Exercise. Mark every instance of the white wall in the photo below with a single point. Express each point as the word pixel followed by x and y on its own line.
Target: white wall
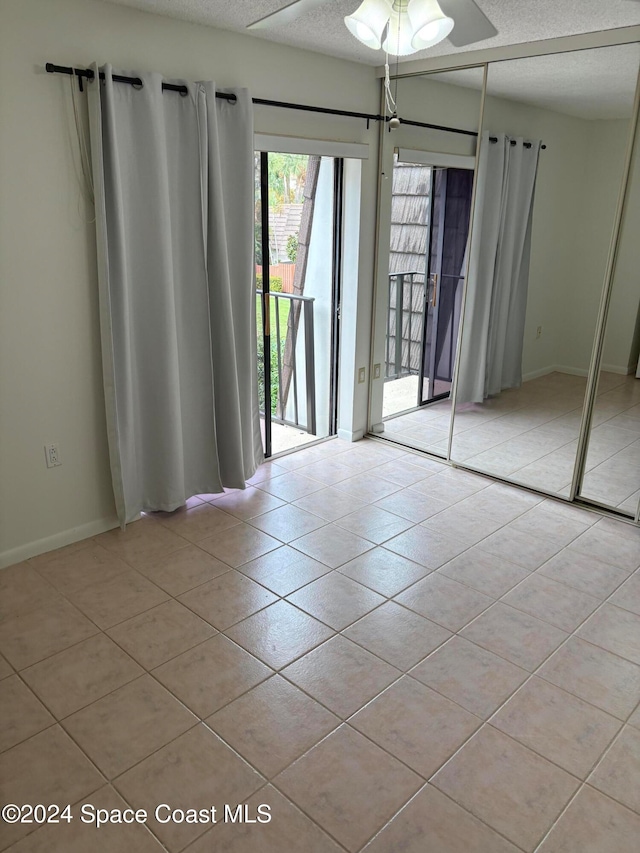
pixel 50 371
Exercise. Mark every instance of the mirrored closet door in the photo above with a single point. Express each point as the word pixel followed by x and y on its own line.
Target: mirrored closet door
pixel 490 319
pixel 550 171
pixel 426 197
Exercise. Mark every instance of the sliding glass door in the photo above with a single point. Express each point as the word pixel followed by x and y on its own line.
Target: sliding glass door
pixel 298 229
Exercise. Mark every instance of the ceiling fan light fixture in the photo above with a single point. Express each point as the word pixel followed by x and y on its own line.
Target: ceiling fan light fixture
pixel 367 23
pixel 400 33
pixel 429 24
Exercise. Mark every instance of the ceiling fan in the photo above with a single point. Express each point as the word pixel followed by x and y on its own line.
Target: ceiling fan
pixel 431 21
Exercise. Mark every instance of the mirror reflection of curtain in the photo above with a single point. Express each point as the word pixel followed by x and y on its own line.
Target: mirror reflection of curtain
pixel 174 189
pixel 498 276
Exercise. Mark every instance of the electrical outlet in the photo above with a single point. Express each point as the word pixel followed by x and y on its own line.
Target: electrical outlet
pixel 538 332
pixel 52 455
pixel 361 375
pixel 376 371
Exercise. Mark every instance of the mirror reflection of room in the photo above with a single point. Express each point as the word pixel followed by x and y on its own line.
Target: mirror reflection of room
pixel 431 177
pixel 612 464
pixel 549 174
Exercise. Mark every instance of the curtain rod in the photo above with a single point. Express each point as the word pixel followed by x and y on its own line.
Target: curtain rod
pixel 87 73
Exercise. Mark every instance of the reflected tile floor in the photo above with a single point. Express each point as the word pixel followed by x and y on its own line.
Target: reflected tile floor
pixel 529 434
pixel 390 653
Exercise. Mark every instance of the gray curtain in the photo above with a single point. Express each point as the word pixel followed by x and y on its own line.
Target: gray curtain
pixel 498 275
pixel 173 183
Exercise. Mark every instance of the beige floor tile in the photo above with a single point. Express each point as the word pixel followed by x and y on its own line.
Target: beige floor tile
pixel 79 837
pixel 329 504
pixel 247 503
pixel 332 545
pixel 327 471
pixel 47 768
pixel 615 630
pixel 557 726
pixel 141 540
pixel 78 676
pixel 23 590
pixel 502 502
pixel 515 791
pixel 211 675
pixel 349 786
pixel 618 775
pixel 290 486
pixel 434 823
pixel 279 634
pixel 119 598
pixel 397 635
pixel 458 522
pixel 595 675
pixel 22 714
pixel 612 548
pixel 287 523
pixel 284 570
pixel 180 774
pixel 72 572
pixel 239 544
pixel 5 668
pixel 426 547
pixel 267 471
pixel 583 572
pixel 273 724
pixel 198 523
pixel 129 724
pixel 384 571
pixel 485 572
pixel 160 634
pixel 367 487
pixel 543 522
pixel 628 595
pixel 336 600
pixel 182 570
pixel 412 505
pixel 375 524
pixel 404 472
pixel 520 548
pixel 341 675
pixel 552 602
pixel 287 830
pixel 416 725
pixel 594 824
pixel 26 639
pixel 227 599
pixel 515 636
pixel 444 601
pixel 476 679
pixel 42 559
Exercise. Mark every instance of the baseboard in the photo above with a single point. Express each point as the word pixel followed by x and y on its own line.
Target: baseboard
pixel 535 374
pixel 58 540
pixel 575 371
pixel 615 368
pixel 347 435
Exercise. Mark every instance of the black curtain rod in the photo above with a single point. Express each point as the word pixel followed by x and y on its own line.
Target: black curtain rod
pixel 88 74
pixel 513 142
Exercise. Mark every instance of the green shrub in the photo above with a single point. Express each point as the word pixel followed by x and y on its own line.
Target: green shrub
pixel 274 375
pixel 275 283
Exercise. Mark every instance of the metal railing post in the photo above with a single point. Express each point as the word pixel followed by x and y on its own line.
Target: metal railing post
pixel 309 357
pixel 399 323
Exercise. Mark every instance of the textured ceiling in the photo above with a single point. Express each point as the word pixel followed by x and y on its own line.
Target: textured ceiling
pixel 591 84
pixel 323 29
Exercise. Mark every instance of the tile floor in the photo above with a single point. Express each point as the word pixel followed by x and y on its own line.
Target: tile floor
pixel 394 655
pixel 530 434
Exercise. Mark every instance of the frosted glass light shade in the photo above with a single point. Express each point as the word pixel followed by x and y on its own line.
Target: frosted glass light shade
pixel 429 24
pixel 400 33
pixel 368 22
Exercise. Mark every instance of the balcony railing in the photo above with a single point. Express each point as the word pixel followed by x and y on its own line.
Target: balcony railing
pixel 405 318
pixel 295 398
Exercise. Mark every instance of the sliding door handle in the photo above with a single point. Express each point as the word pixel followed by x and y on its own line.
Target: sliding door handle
pixel 433 278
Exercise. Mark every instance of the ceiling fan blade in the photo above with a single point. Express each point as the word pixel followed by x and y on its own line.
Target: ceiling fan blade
pixel 471 23
pixel 285 15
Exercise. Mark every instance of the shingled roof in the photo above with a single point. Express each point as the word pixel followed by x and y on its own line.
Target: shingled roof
pixel 409 218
